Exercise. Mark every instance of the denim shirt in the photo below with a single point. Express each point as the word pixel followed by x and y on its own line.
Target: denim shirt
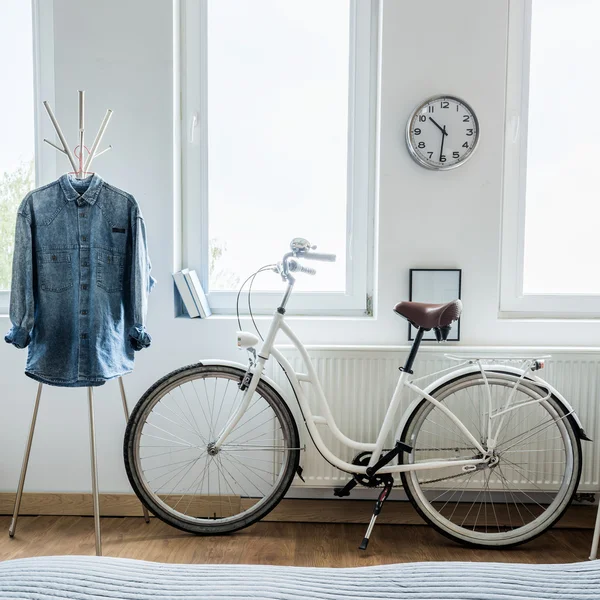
pixel 80 282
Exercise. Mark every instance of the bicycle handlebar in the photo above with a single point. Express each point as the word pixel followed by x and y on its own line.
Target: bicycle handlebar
pixel 322 256
pixel 301 249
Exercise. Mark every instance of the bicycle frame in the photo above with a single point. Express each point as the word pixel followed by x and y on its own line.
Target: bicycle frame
pixel 267 350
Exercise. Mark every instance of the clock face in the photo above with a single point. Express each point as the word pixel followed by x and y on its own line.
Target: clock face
pixel 442 133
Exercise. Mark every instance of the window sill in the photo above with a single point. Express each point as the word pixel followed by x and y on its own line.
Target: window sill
pixel 528 317
pixel 265 318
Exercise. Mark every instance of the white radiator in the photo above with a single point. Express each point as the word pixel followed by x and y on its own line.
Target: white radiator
pixel 359 382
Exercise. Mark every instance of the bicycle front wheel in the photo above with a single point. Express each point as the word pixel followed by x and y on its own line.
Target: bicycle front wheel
pixel 526 486
pixel 179 476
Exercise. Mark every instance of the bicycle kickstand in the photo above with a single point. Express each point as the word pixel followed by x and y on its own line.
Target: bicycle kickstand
pixel 383 496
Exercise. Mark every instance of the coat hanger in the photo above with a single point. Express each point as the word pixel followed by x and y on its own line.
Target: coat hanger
pixel 81 167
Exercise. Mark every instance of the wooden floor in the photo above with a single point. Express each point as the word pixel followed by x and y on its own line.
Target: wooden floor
pixel 301 544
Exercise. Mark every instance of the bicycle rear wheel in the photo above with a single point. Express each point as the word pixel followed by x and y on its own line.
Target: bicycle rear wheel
pixel 186 483
pixel 529 483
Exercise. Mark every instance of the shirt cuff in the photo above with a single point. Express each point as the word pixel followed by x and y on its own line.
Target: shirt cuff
pixel 18 336
pixel 139 337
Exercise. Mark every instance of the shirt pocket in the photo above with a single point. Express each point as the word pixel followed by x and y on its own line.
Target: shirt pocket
pixel 54 271
pixel 109 272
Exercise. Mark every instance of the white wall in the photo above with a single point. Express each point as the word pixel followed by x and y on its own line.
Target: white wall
pixel 121 53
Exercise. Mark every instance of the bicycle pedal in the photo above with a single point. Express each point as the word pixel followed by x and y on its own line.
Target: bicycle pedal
pixel 345 491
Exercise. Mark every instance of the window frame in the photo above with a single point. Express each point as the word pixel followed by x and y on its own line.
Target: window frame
pixel 514 303
pixel 42 13
pixel 362 144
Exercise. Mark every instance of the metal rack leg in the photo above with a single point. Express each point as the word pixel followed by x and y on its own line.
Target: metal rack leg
pixel 596 540
pixel 96 498
pixel 126 411
pixel 13 524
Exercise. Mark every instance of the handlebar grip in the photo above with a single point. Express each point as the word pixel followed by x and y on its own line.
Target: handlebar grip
pixel 307 270
pixel 322 256
pixel 296 267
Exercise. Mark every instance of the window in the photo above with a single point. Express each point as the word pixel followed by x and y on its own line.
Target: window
pixel 551 210
pixel 278 142
pixel 17 151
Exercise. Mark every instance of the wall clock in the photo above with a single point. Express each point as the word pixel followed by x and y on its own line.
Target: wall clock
pixel 442 133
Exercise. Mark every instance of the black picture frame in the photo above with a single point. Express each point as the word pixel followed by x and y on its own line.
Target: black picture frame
pixel 429 335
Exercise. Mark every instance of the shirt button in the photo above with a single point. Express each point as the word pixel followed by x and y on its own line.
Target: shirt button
pixel 84 238
pixel 84 286
pixel 54 258
pixel 84 336
pixel 85 264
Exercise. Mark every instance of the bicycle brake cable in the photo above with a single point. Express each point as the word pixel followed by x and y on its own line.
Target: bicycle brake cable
pixel 237 301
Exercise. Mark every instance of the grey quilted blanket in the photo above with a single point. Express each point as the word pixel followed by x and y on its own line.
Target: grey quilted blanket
pixel 87 578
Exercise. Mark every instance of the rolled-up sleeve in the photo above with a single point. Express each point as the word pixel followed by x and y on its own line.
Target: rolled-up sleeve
pixel 141 285
pixel 22 304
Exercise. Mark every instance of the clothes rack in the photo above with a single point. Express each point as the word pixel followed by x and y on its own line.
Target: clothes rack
pixel 80 166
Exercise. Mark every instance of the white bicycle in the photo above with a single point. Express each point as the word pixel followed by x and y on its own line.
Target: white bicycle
pixel 489 454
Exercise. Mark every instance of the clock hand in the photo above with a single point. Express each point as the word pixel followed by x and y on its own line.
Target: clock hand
pixel 436 124
pixel 442 146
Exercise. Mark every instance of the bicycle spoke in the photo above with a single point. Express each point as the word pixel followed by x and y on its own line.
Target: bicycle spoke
pixel 166 440
pixel 513 496
pixel 189 460
pixel 182 418
pixel 254 428
pixel 188 406
pixel 217 463
pixel 520 470
pixel 547 424
pixel 461 495
pixel 175 437
pixel 170 451
pixel 190 487
pixel 183 415
pixel 478 412
pixel 222 402
pixel 254 469
pixel 178 425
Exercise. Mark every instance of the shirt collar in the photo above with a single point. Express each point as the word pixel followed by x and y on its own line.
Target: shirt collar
pixel 94 185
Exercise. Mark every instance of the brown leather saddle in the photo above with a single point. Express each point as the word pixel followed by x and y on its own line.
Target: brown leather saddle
pixel 430 316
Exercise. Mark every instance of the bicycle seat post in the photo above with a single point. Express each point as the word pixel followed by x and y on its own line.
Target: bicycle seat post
pixel 413 351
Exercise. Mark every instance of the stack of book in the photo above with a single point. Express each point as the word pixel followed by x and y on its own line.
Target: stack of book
pixel 192 294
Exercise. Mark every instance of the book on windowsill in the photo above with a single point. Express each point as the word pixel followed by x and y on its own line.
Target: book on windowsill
pixel 186 294
pixel 198 293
